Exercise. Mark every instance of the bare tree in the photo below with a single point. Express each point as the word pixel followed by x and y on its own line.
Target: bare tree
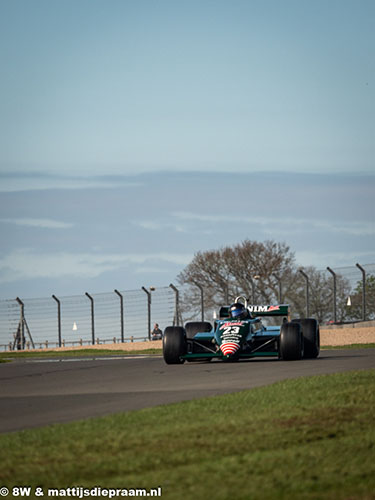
pixel 261 272
pixel 257 264
pixel 246 269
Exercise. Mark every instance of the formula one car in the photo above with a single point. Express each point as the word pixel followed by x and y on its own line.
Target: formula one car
pixel 240 333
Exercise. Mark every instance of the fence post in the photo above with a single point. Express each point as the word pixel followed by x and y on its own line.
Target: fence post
pixel 334 294
pixel 177 316
pixel 226 293
pixel 202 300
pixel 280 288
pixel 20 339
pixel 363 291
pixel 122 314
pixel 252 291
pixel 92 318
pixel 58 318
pixel 148 311
pixel 307 292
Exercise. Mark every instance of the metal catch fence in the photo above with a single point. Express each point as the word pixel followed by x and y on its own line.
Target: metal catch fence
pixel 121 316
pixel 338 295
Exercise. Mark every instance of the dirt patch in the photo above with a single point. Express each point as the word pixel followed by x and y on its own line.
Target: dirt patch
pixel 346 336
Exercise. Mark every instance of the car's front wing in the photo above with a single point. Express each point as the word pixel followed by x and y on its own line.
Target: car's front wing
pixel 264 346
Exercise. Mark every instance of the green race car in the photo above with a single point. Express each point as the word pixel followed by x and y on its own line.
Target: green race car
pixel 240 332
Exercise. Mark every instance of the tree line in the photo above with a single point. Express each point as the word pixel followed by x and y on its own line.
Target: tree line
pixel 267 273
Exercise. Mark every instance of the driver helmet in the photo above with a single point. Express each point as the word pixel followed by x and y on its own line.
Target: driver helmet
pixel 238 311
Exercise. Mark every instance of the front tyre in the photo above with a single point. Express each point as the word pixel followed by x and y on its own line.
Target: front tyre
pixel 174 345
pixel 291 342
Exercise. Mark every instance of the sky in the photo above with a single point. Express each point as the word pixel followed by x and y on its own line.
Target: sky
pixel 134 134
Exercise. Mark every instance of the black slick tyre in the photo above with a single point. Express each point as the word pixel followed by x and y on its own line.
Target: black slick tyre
pixel 291 342
pixel 174 345
pixel 311 336
pixel 194 327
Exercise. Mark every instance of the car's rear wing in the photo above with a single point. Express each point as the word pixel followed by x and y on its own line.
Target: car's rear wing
pixel 255 310
pixel 279 310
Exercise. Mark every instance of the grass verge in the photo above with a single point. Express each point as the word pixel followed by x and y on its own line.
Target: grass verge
pixel 309 438
pixel 350 346
pixel 74 353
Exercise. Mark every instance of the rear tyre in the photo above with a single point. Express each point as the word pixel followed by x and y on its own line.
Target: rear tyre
pixel 194 327
pixel 291 342
pixel 174 345
pixel 311 337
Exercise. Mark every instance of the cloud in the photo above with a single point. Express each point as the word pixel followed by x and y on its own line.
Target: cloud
pixel 42 223
pixel 153 225
pixel 26 264
pixel 150 269
pixel 275 225
pixel 14 182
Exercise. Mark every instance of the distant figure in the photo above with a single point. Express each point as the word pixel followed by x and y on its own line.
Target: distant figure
pixel 156 333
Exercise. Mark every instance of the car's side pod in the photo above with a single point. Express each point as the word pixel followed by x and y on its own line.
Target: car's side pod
pixel 194 327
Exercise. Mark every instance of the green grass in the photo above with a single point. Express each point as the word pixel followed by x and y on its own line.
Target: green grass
pixel 350 346
pixel 74 353
pixel 309 438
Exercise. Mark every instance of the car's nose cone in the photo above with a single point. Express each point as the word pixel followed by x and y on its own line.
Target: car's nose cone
pixel 229 348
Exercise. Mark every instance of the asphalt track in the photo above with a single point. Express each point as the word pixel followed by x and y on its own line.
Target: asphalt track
pixel 37 393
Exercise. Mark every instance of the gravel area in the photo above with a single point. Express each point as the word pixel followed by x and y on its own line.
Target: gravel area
pixel 346 336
